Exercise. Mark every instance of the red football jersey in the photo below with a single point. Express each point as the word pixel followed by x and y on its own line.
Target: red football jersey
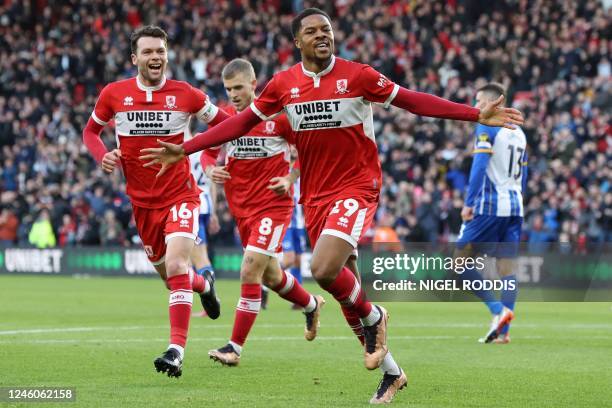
pixel 142 115
pixel 252 161
pixel 331 115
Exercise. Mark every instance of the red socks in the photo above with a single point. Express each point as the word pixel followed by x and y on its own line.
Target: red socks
pixel 181 299
pixel 246 311
pixel 291 290
pixel 354 323
pixel 347 290
pixel 198 283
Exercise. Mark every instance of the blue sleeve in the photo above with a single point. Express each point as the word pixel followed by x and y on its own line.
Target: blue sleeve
pixel 483 147
pixel 525 165
pixel 477 175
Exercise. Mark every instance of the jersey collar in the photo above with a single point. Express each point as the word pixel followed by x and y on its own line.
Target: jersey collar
pixel 317 77
pixel 150 89
pixel 145 88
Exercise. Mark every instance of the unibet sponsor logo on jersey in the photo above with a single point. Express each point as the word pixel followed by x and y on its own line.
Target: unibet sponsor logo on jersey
pixel 333 113
pixel 254 147
pixel 150 123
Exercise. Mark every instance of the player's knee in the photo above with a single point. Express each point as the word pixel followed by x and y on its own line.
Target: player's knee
pixel 252 269
pixel 176 267
pixel 289 260
pixel 272 281
pixel 323 272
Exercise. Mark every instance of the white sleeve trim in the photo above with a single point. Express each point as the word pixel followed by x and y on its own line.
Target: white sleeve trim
pixel 97 119
pixel 392 96
pixel 208 112
pixel 260 113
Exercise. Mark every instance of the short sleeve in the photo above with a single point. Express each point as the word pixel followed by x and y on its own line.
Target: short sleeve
pixel 484 138
pixel 269 103
pixel 376 87
pixel 103 112
pixel 202 107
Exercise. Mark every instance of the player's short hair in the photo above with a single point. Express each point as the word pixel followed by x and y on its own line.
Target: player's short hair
pixel 494 89
pixel 296 23
pixel 147 31
pixel 238 66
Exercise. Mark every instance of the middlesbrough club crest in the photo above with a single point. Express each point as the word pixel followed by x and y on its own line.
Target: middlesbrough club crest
pixel 341 86
pixel 270 127
pixel 170 102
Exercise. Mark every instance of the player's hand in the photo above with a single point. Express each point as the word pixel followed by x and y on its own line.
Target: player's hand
pixel 213 224
pixel 166 155
pixel 280 185
pixel 467 213
pixel 218 174
pixel 111 160
pixel 494 114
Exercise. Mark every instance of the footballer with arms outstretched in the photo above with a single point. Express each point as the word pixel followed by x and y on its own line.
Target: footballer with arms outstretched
pixel 252 176
pixel 146 108
pixel 328 103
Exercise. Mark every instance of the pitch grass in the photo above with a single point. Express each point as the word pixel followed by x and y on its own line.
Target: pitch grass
pixel 100 335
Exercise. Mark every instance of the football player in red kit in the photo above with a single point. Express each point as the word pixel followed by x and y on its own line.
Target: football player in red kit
pixel 255 163
pixel 146 108
pixel 328 102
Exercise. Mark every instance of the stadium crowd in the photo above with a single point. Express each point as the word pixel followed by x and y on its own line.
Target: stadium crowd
pixel 552 55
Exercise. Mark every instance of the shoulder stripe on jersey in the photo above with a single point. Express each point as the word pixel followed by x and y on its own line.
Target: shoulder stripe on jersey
pixel 260 113
pixel 98 120
pixel 483 151
pixel 392 96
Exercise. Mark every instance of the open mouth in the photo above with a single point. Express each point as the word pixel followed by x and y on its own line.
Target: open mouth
pixel 323 46
pixel 155 68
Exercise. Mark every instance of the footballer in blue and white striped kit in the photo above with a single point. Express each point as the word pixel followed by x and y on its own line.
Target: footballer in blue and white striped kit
pixel 493 210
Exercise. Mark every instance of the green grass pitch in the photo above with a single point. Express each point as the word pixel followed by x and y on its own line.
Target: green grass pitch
pixel 100 335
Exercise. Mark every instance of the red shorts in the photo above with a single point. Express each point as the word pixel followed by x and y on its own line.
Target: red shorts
pixel 347 217
pixel 265 231
pixel 157 225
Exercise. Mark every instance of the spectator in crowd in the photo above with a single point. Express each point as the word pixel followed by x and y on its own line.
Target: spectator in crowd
pixel 41 235
pixel 8 227
pixel 111 231
pixel 67 231
pixel 552 55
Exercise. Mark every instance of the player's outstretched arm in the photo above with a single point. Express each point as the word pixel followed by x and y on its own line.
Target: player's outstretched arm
pixel 228 130
pixel 493 114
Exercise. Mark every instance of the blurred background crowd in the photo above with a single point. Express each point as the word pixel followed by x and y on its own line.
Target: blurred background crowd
pixel 552 55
